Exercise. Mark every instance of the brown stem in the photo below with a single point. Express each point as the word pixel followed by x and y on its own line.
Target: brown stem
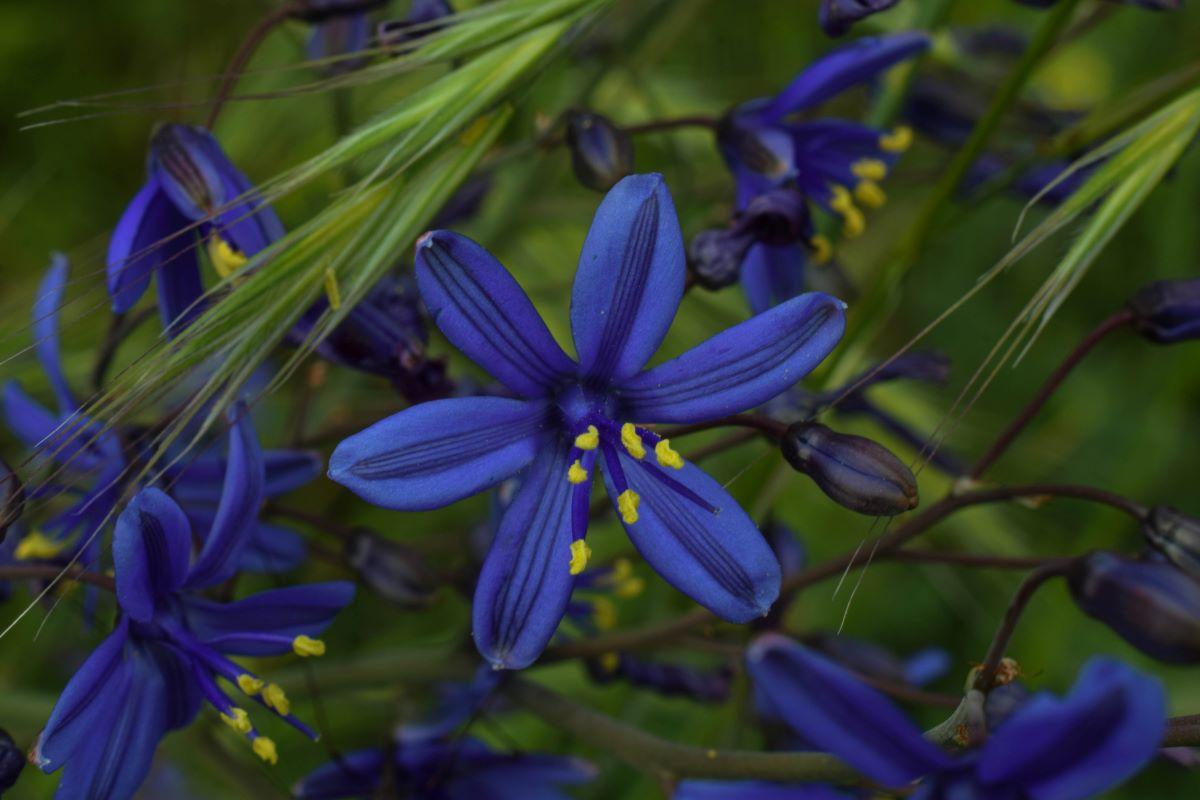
pixel 245 51
pixel 1117 320
pixel 51 572
pixel 759 422
pixel 966 559
pixel 657 125
pixel 1012 615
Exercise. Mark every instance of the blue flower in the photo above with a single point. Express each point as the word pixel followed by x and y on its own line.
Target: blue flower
pixel 171 644
pixel 834 163
pixel 838 16
pixel 756 790
pixel 568 417
pixel 340 28
pixel 423 18
pixel 193 195
pixel 1050 748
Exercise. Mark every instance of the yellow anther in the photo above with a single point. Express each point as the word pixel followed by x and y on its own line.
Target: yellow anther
pixel 897 141
pixel 630 587
pixel 589 439
pixel 37 545
pixel 274 697
pixel 841 201
pixel 666 456
pixel 604 612
pixel 631 440
pixel 226 259
pixel 610 661
pixel 264 748
pixel 332 291
pixel 305 646
pixel 853 223
pixel 249 684
pixel 580 553
pixel 237 719
pixel 474 131
pixel 577 474
pixel 822 249
pixel 869 169
pixel 869 194
pixel 627 503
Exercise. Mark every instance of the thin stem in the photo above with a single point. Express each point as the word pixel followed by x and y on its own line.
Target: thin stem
pixel 1182 731
pixel 245 51
pixel 672 123
pixel 666 760
pixel 759 422
pixel 1002 443
pixel 1033 581
pixel 912 555
pixel 50 572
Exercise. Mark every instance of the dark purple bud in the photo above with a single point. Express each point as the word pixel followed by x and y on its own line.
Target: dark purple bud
pixel 677 680
pixel 1151 604
pixel 837 16
pixel 1168 311
pixel 1002 701
pixel 182 157
pixel 12 498
pixel 395 572
pixel 715 257
pixel 1176 535
pixel 12 761
pixel 601 153
pixel 776 218
pixel 420 21
pixel 762 149
pixel 854 471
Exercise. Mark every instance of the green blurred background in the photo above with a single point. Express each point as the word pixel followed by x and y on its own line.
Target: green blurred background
pixel 1126 421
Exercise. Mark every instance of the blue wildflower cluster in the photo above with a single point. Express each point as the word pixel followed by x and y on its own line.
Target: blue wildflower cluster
pixel 223 551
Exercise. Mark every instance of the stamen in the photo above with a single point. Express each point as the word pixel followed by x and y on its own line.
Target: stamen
pixel 853 221
pixel 38 545
pixel 604 612
pixel 666 456
pixel 226 259
pixel 249 684
pixel 305 646
pixel 897 141
pixel 625 584
pixel 627 503
pixel 589 440
pixel 577 474
pixel 274 697
pixel 580 553
pixel 610 661
pixel 631 441
pixel 822 249
pixel 869 194
pixel 238 719
pixel 332 291
pixel 264 748
pixel 869 169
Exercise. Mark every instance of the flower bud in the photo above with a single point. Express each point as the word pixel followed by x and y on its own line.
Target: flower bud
pixel 601 153
pixel 1176 535
pixel 854 471
pixel 777 217
pixel 837 16
pixel 1151 604
pixel 12 761
pixel 715 257
pixel 396 572
pixel 1168 311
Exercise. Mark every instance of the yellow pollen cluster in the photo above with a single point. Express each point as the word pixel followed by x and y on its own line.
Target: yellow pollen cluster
pixel 631 441
pixel 897 141
pixel 589 439
pixel 238 719
pixel 249 684
pixel 580 553
pixel 225 258
pixel 304 646
pixel 576 473
pixel 666 456
pixel 274 697
pixel 822 249
pixel 264 748
pixel 610 662
pixel 625 583
pixel 853 221
pixel 604 612
pixel 37 545
pixel 627 503
pixel 869 169
pixel 869 194
pixel 332 291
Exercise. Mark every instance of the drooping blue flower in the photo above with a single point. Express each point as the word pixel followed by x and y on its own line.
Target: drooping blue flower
pixel 1050 748
pixel 171 644
pixel 835 164
pixel 193 196
pixel 570 416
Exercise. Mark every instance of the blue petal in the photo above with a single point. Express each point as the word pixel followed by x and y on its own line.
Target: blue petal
pixel 755 790
pixel 741 367
pixel 1104 731
pixel 435 453
pixel 290 612
pixel 73 441
pixel 45 330
pixel 836 712
pixel 832 74
pixel 772 275
pixel 238 511
pixel 179 286
pixel 630 279
pixel 288 470
pixel 521 776
pixel 151 546
pixel 719 559
pixel 271 548
pixel 356 774
pixel 250 224
pixel 147 219
pixel 526 581
pixel 484 313
pixel 200 481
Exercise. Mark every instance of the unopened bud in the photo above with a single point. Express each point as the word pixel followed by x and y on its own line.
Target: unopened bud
pixel 837 16
pixel 1168 311
pixel 715 257
pixel 601 153
pixel 1151 604
pixel 12 761
pixel 1176 535
pixel 777 217
pixel 396 572
pixel 854 471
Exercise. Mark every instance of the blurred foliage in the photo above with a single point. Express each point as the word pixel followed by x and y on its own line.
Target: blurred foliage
pixel 1126 421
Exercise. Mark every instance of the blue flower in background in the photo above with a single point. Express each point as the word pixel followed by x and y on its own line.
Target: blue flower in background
pixel 1049 748
pixel 834 163
pixel 171 643
pixel 340 28
pixel 194 194
pixel 838 16
pixel 757 790
pixel 570 416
